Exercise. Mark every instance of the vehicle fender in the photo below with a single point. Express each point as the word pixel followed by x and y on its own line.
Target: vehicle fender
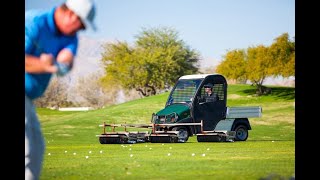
pixel 241 121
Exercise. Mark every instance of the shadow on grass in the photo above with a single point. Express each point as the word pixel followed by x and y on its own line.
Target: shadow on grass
pixel 281 93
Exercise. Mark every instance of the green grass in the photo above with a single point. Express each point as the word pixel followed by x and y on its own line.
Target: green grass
pixel 268 152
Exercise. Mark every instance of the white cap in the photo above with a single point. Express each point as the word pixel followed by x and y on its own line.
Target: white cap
pixel 85 9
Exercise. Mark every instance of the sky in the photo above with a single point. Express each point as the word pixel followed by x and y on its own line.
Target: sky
pixel 211 27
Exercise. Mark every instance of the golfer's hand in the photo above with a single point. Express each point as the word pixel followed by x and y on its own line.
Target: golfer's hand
pixel 48 63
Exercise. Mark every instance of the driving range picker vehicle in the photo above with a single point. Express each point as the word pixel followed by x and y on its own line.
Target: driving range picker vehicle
pixel 187 113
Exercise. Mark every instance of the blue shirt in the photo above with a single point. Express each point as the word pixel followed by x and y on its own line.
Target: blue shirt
pixel 42 36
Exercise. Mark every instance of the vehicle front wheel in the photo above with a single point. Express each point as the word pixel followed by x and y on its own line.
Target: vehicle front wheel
pixel 183 135
pixel 241 133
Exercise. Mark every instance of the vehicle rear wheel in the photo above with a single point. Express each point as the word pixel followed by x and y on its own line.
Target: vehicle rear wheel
pixel 183 135
pixel 241 133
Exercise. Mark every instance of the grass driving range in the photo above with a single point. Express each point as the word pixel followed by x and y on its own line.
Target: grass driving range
pixel 73 151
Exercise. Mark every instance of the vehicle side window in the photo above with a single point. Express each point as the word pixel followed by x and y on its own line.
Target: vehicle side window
pixel 219 90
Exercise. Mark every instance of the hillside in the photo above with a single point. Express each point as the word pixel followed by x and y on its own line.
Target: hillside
pixel 73 151
pixel 140 110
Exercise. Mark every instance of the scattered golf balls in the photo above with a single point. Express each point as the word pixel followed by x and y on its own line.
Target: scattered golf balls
pixel 129 149
pixel 146 145
pixel 170 147
pixel 74 153
pixel 100 151
pixel 162 144
pixel 169 154
pixel 87 157
pixel 90 152
pixel 203 155
pixel 272 141
pixel 150 148
pixel 193 154
pixel 208 149
pixel 131 155
pixel 49 154
pixel 65 151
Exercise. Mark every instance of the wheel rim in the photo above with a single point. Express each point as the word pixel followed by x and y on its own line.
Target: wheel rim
pixel 241 133
pixel 183 134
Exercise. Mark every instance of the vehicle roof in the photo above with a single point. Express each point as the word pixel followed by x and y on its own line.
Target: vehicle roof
pixel 196 76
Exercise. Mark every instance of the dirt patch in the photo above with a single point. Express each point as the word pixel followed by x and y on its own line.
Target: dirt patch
pixel 273 119
pixel 234 96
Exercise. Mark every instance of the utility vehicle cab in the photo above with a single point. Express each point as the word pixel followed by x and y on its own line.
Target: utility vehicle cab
pixel 184 103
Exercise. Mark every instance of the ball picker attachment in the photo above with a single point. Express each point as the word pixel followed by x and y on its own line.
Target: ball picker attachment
pixel 162 136
pixel 123 137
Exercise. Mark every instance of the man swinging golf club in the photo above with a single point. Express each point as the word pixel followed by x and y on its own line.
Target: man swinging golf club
pixel 50 46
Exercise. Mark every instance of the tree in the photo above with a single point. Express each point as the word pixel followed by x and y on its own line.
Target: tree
pixel 283 53
pixel 259 67
pixel 260 62
pixel 156 61
pixel 233 65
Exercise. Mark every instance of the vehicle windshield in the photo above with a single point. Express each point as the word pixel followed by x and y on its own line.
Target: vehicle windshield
pixel 184 91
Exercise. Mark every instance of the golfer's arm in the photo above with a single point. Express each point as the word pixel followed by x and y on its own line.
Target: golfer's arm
pixel 33 64
pixel 36 65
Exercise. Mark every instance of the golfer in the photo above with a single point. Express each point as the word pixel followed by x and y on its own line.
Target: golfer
pixel 50 46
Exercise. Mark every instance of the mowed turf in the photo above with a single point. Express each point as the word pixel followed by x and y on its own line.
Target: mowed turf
pixel 73 151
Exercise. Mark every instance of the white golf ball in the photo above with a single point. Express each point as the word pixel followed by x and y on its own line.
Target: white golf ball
pixel 131 155
pixel 87 157
pixel 169 154
pixel 203 155
pixel 74 153
pixel 49 154
pixel 193 154
pixel 90 152
pixel 100 151
pixel 65 151
pixel 170 147
pixel 129 149
pixel 208 149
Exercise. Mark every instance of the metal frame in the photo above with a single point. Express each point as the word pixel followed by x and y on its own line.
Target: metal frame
pixel 133 137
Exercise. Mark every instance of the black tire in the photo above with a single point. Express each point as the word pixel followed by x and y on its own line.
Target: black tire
pixel 241 133
pixel 183 135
